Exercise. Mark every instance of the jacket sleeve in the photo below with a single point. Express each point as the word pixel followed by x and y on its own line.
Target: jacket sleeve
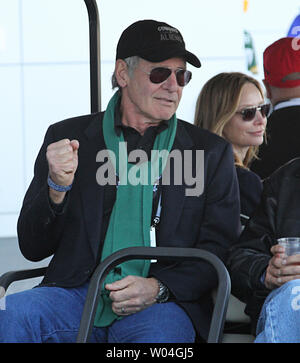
pixel 250 257
pixel 38 226
pixel 219 228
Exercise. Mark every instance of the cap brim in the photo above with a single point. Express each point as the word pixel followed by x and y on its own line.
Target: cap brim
pixel 155 56
pixel 192 59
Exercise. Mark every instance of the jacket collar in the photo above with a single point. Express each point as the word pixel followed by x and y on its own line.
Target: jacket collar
pixel 182 139
pixel 92 194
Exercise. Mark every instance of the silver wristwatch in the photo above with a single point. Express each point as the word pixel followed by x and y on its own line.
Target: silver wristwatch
pixel 163 293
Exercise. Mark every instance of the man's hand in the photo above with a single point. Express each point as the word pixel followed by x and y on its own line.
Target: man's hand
pixel 132 294
pixel 62 157
pixel 281 268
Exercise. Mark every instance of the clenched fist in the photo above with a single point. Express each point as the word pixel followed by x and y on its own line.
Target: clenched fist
pixel 62 157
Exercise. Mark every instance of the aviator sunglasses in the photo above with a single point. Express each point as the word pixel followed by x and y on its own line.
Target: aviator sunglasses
pixel 248 114
pixel 161 74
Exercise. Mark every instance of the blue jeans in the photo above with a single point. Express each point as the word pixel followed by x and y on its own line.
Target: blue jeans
pixel 52 315
pixel 279 320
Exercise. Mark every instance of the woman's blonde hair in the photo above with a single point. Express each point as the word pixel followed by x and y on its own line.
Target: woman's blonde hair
pixel 217 103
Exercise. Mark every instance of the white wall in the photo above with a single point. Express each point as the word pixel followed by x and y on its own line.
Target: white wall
pixel 44 77
pixel 44 71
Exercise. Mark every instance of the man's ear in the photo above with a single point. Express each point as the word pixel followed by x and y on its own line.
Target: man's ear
pixel 121 73
pixel 268 89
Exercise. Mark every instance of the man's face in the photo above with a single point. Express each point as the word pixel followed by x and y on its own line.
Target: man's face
pixel 147 102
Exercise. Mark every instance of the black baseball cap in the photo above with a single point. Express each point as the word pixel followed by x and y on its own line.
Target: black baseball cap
pixel 153 41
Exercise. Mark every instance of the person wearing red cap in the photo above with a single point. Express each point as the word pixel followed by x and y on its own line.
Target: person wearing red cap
pixel 282 82
pixel 99 186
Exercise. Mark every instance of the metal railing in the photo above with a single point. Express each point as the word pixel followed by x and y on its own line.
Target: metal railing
pixel 94 39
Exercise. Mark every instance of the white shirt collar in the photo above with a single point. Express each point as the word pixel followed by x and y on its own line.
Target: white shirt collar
pixel 289 103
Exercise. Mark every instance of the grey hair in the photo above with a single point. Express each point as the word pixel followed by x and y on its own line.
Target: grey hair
pixel 132 63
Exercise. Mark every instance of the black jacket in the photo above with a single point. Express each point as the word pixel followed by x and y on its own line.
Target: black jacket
pixel 210 221
pixel 283 130
pixel 250 186
pixel 278 215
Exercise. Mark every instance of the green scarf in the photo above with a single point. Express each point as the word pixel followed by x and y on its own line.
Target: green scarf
pixel 130 220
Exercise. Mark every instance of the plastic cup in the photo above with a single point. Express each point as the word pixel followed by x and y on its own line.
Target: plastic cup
pixel 291 245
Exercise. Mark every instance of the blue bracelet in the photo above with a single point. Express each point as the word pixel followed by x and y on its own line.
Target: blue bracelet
pixel 58 188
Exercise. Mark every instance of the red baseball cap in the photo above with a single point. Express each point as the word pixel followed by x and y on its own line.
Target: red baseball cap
pixel 281 59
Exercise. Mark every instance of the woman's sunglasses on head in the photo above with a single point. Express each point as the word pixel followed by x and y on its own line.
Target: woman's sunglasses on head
pixel 161 74
pixel 248 114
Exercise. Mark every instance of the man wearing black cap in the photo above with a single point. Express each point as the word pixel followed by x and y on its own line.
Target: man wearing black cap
pixel 85 203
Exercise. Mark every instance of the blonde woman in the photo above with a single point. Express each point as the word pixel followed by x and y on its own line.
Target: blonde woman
pixel 232 105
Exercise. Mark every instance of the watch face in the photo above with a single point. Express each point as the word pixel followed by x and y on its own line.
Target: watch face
pixel 163 293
